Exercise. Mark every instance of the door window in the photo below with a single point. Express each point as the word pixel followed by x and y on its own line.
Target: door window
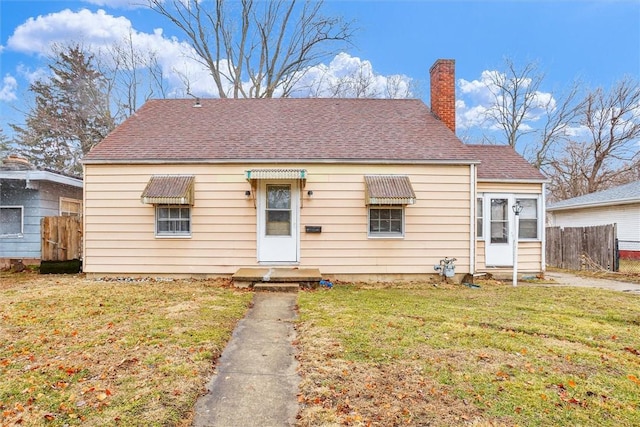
pixel 278 211
pixel 499 221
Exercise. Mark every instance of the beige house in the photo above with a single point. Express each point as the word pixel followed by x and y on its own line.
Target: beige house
pixel 357 188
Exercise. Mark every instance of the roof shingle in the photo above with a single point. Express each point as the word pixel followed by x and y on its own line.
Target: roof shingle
pixel 281 129
pixel 501 162
pixel 622 194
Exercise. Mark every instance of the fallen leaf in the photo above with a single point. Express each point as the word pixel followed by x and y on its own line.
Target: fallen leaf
pixel 634 379
pixel 571 384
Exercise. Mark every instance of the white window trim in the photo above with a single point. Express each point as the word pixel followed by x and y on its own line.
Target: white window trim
pixel 538 199
pixel 21 234
pixel 175 235
pixel 69 200
pixel 512 197
pixel 481 216
pixel 382 235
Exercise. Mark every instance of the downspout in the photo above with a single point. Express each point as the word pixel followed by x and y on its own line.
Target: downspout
pixel 472 228
pixel 543 232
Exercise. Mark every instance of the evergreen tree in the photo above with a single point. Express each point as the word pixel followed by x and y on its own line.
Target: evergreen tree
pixel 4 145
pixel 70 116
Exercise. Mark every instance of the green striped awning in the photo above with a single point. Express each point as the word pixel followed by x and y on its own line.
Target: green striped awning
pixel 388 190
pixel 169 190
pixel 276 174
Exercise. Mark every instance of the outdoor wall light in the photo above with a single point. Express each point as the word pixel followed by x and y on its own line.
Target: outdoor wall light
pixel 517 208
pixel 310 193
pixel 247 193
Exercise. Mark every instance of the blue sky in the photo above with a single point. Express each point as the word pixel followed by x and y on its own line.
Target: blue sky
pixel 597 42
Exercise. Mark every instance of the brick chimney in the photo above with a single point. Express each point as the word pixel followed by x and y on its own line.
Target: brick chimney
pixel 443 91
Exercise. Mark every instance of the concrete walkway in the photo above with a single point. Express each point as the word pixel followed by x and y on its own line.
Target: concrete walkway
pixel 256 382
pixel 566 279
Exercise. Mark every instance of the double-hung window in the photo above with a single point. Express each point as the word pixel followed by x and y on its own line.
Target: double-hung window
pixel 479 218
pixel 172 197
pixel 173 220
pixel 386 197
pixel 11 221
pixel 386 221
pixel 528 219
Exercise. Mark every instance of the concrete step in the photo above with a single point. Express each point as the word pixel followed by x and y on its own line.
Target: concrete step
pixel 276 287
pixel 299 277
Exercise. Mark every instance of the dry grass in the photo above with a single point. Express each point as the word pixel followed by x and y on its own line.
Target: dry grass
pixel 96 353
pixel 453 356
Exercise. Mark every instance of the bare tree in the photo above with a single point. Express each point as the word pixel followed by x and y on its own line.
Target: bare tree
pixel 513 97
pixel 348 77
pixel 133 76
pixel 609 153
pixel 259 50
pixel 518 103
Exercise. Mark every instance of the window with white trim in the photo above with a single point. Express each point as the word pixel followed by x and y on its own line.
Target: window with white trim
pixel 528 219
pixel 173 220
pixel 479 218
pixel 386 221
pixel 70 207
pixel 11 221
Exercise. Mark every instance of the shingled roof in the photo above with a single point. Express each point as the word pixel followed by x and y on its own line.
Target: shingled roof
pixel 620 195
pixel 282 130
pixel 503 163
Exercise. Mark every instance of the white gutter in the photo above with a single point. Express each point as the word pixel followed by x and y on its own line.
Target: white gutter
pixel 595 204
pixel 280 161
pixel 36 175
pixel 473 237
pixel 543 232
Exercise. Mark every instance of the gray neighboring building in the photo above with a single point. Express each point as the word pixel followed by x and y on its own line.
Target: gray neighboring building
pixel 28 194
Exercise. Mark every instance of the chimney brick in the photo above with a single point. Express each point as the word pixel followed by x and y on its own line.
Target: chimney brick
pixel 443 91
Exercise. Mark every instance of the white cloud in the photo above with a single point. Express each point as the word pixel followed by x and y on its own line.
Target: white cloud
pixel 8 89
pixel 350 76
pixel 121 4
pixel 99 32
pixel 90 29
pixel 32 76
pixel 479 100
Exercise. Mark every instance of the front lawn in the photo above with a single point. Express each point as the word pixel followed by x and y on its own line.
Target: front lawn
pixel 451 356
pixel 81 352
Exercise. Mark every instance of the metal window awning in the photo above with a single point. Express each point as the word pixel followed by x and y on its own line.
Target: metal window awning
pixel 388 190
pixel 276 174
pixel 169 190
pixel 254 175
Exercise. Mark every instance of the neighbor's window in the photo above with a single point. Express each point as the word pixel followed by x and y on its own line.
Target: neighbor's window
pixel 11 224
pixel 70 207
pixel 528 219
pixel 386 221
pixel 479 217
pixel 173 220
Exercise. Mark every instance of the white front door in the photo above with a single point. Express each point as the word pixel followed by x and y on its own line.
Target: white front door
pixel 278 213
pixel 499 238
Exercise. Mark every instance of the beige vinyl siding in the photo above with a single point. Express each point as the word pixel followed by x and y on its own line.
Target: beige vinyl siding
pixel 120 238
pixel 509 187
pixel 529 259
pixel 529 252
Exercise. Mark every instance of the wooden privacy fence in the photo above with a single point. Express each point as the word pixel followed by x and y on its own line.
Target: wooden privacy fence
pixel 582 248
pixel 61 238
